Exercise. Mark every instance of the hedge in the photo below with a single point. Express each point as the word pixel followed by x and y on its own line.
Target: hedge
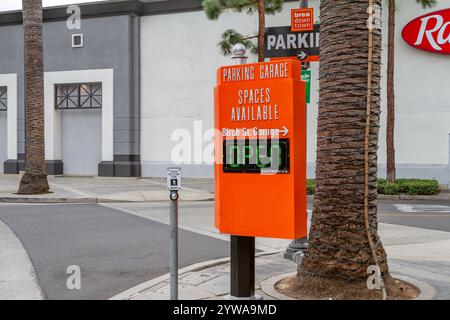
pixel 310 186
pixel 401 186
pixel 409 187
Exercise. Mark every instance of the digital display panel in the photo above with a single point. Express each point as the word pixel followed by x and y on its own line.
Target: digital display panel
pixel 264 156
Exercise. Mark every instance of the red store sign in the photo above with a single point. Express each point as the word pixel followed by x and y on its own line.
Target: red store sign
pixel 430 32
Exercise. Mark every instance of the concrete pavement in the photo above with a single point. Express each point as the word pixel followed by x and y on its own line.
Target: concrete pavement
pixel 17 275
pixel 104 190
pixel 419 256
pixel 69 189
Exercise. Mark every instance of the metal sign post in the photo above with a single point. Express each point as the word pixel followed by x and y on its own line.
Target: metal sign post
pixel 242 249
pixel 174 185
pixel 297 247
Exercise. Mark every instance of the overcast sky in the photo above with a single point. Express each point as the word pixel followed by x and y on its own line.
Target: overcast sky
pixel 8 5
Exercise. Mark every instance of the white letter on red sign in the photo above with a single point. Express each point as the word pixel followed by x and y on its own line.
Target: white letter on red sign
pixel 429 33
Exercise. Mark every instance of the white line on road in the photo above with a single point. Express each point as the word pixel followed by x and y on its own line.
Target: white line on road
pixel 413 208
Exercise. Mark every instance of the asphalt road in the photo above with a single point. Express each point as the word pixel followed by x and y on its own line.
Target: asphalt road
pixel 115 250
pixel 434 215
pixel 420 214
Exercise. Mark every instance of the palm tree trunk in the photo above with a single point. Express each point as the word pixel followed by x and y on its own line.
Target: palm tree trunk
pixel 390 147
pixel 261 29
pixel 339 248
pixel 34 180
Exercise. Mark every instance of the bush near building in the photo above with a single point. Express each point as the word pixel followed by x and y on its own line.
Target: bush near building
pixel 310 186
pixel 401 186
pixel 409 186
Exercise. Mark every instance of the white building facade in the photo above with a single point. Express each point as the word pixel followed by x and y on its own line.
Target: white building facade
pixel 176 69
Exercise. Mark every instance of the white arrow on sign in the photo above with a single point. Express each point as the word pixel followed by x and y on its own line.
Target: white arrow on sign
pixel 285 131
pixel 302 55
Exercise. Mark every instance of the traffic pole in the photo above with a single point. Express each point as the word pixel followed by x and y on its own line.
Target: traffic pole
pixel 242 249
pixel 174 186
pixel 174 245
pixel 296 248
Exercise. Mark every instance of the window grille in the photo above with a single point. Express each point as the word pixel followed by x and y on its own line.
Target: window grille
pixel 78 96
pixel 3 99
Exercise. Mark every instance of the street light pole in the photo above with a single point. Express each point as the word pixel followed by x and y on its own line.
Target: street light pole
pixel 298 246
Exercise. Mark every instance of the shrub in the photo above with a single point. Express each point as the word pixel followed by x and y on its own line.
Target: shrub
pixel 388 188
pixel 409 187
pixel 310 187
pixel 401 186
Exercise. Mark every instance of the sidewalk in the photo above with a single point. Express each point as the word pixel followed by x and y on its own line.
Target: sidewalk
pixel 419 256
pixel 104 190
pixel 66 189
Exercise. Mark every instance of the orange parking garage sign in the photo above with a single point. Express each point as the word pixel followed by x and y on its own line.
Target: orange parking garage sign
pixel 260 146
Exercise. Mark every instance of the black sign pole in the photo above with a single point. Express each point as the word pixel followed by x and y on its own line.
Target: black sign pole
pixel 242 249
pixel 242 267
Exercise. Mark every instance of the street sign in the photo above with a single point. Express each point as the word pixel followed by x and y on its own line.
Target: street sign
pixel 302 20
pixel 306 76
pixel 174 179
pixel 260 170
pixel 281 42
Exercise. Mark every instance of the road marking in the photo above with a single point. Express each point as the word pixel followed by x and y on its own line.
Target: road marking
pixel 413 208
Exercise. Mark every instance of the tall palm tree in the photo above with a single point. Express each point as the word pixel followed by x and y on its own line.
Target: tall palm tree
pixel 34 181
pixel 390 127
pixel 344 240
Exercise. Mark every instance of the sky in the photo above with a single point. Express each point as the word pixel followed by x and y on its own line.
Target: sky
pixel 8 5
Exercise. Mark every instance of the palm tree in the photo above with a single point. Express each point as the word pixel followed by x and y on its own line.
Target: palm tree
pixel 390 147
pixel 344 239
pixel 34 181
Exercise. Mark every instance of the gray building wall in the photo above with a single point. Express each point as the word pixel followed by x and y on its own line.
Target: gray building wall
pixel 110 42
pixel 3 139
pixel 11 61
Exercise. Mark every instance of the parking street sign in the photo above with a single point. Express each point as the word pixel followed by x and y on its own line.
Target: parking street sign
pixel 260 150
pixel 281 42
pixel 306 76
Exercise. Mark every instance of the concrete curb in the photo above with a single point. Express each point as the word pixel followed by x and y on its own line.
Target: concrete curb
pixel 47 200
pixel 93 200
pixel 438 197
pixel 130 293
pixel 268 286
pixel 18 200
pixel 427 292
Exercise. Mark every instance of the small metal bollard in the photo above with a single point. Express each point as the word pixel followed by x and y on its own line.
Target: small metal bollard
pixel 173 185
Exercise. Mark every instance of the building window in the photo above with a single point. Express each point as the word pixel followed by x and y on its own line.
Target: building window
pixel 77 40
pixel 3 98
pixel 78 96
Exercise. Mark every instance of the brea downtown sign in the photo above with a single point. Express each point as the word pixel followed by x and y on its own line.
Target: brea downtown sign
pixel 430 32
